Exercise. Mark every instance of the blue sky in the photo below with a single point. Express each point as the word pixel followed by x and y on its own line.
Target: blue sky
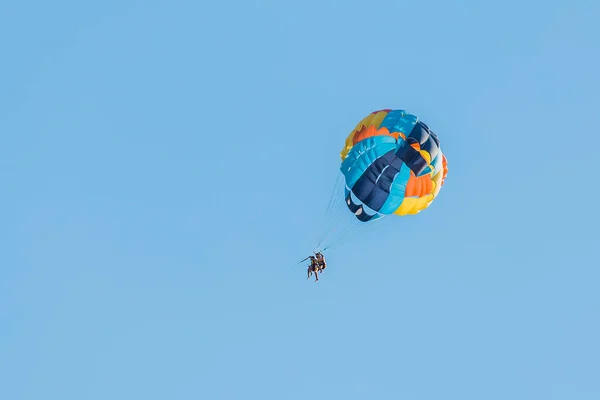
pixel 165 165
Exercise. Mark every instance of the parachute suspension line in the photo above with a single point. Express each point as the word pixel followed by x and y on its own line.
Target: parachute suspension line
pixel 335 231
pixel 356 227
pixel 335 193
pixel 330 220
pixel 339 224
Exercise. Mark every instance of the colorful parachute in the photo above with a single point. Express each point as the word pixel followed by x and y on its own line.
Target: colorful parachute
pixel 392 164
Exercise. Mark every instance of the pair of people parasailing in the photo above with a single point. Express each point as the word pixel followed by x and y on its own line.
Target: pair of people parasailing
pixel 317 264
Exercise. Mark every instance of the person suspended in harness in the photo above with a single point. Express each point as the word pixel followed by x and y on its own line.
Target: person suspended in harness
pixel 317 264
pixel 313 268
pixel 321 261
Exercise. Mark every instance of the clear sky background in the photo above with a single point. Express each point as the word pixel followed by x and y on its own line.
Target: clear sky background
pixel 165 164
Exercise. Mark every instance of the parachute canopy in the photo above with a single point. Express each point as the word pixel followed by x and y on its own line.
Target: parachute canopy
pixel 392 164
